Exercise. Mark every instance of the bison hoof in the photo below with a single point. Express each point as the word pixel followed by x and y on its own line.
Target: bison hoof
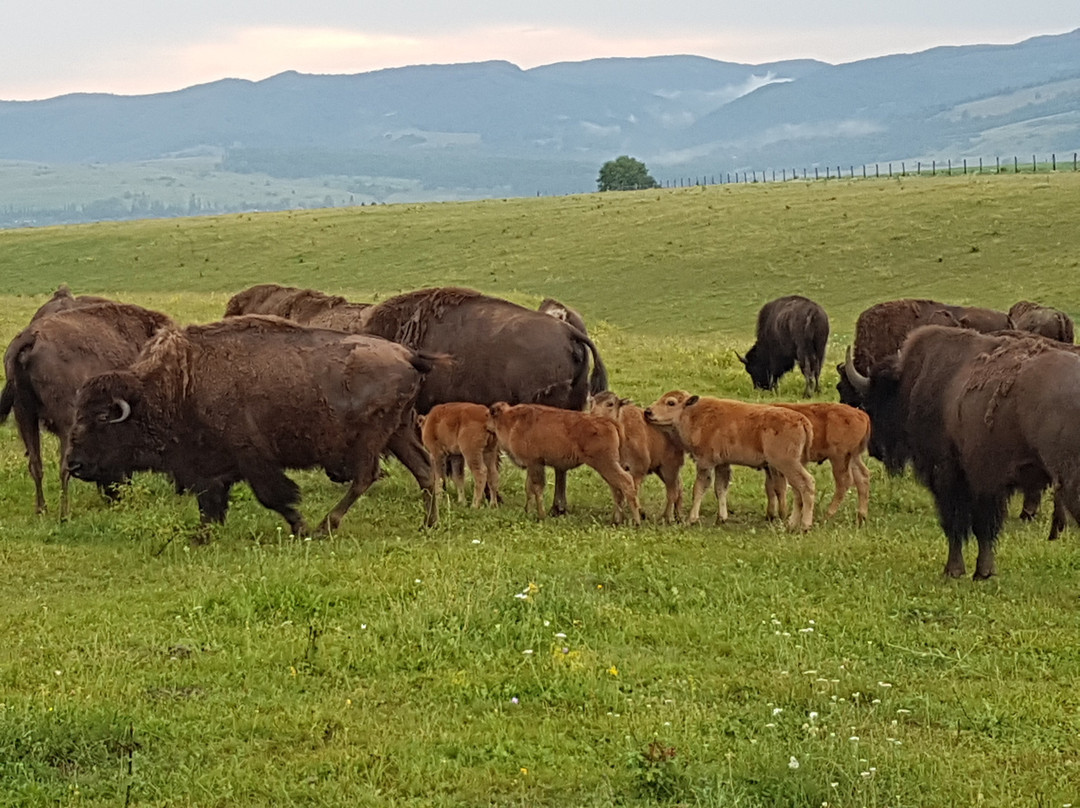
pixel 557 510
pixel 954 572
pixel 983 576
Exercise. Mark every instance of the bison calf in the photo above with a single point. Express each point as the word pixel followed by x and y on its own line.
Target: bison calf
pixel 462 429
pixel 720 432
pixel 536 436
pixel 841 435
pixel 645 449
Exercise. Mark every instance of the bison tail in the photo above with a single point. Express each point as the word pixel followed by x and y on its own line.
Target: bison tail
pixel 427 361
pixel 7 400
pixel 598 379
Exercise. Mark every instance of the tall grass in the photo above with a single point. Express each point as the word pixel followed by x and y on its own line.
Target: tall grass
pixel 494 660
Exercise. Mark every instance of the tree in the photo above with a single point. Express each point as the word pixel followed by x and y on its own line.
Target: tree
pixel 624 174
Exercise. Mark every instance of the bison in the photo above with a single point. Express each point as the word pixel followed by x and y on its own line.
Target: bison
pixel 560 311
pixel 841 435
pixel 790 330
pixel 50 359
pixel 500 352
pixel 645 449
pixel 248 397
pixel 1043 320
pixel 882 328
pixel 305 306
pixel 978 416
pixel 720 432
pixel 536 436
pixel 463 429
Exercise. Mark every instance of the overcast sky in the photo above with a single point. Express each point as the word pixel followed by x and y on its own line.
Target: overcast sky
pixel 51 47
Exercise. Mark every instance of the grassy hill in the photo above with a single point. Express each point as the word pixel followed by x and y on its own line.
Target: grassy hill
pixel 494 660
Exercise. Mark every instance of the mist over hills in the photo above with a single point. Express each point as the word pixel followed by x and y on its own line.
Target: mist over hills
pixel 493 129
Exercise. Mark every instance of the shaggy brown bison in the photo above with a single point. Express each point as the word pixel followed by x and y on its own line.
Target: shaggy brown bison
pixel 979 416
pixel 50 359
pixel 790 330
pixel 247 398
pixel 305 306
pixel 1043 320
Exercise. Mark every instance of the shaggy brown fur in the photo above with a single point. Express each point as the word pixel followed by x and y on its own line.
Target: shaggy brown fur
pixel 718 433
pixel 247 398
pixel 305 306
pixel 48 361
pixel 1043 320
pixel 463 430
pixel 535 436
pixel 645 449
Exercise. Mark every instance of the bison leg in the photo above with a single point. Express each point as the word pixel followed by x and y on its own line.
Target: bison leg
pixel 534 488
pixel 367 472
pixel 953 501
pixel 491 487
pixel 405 445
pixel 843 478
pixel 213 500
pixel 622 487
pixel 986 520
pixel 775 494
pixel 478 466
pixel 862 487
pixel 30 432
pixel 1057 520
pixel 673 486
pixel 701 483
pixel 723 481
pixel 1032 499
pixel 277 492
pixel 558 504
pixel 457 471
pixel 802 509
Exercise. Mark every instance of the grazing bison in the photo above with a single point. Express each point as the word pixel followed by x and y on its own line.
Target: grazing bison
pixel 50 359
pixel 247 398
pixel 720 432
pixel 882 328
pixel 560 311
pixel 1043 320
pixel 536 436
pixel 978 416
pixel 789 329
pixel 462 429
pixel 841 435
pixel 305 306
pixel 500 352
pixel 645 449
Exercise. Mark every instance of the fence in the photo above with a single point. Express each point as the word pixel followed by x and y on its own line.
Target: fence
pixel 877 170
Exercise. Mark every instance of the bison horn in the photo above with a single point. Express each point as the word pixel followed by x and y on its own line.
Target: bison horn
pixel 740 357
pixel 125 411
pixel 856 379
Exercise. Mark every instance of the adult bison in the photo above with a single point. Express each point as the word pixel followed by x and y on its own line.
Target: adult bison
pixel 882 328
pixel 305 306
pixel 790 330
pixel 499 351
pixel 1043 320
pixel 50 359
pixel 247 398
pixel 978 416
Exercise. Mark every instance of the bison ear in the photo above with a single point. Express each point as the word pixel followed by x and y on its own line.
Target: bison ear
pixel 691 401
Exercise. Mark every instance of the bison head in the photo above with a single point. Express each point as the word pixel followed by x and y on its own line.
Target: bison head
pixel 607 404
pixel 108 438
pixel 764 368
pixel 884 403
pixel 666 410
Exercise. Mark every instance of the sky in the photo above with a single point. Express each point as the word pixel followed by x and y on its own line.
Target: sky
pixel 130 47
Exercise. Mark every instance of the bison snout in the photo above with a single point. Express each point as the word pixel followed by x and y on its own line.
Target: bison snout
pixel 649 415
pixel 74 467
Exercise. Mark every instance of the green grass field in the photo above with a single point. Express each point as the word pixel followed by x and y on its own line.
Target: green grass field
pixel 495 660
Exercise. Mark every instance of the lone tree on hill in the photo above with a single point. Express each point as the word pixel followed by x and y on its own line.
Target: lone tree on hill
pixel 624 174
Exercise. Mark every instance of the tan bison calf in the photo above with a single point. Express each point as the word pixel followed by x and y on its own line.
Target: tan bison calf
pixel 721 432
pixel 645 449
pixel 462 429
pixel 841 435
pixel 536 436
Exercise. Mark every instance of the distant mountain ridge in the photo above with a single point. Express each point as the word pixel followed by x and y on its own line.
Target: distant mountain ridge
pixel 492 128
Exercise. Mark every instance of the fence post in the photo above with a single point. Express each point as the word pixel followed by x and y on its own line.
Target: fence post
pixel 815 172
pixel 1053 162
pixel 1033 169
pixel 965 166
pixel 903 168
pixel 1016 164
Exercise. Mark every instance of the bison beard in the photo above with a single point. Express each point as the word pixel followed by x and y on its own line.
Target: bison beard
pixel 246 398
pixel 980 416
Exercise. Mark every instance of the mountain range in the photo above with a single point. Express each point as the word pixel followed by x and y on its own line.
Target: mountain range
pixel 493 129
